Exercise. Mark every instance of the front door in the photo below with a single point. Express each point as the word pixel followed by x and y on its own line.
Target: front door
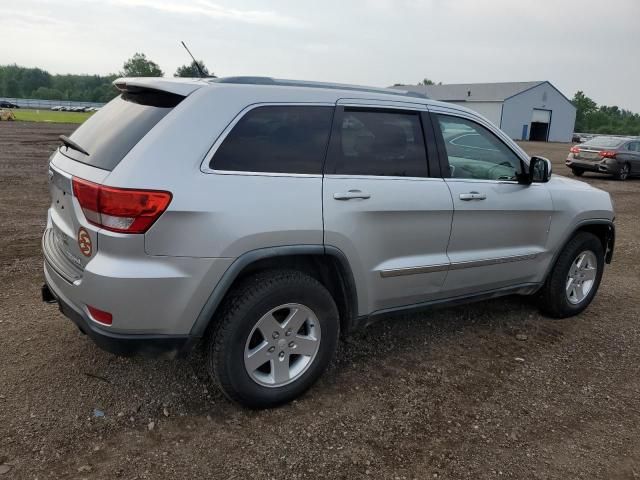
pixel 500 227
pixel 381 207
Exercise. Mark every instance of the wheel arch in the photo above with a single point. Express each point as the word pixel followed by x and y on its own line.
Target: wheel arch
pixel 604 229
pixel 328 265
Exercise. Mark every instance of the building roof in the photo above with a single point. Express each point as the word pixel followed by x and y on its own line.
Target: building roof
pixel 472 92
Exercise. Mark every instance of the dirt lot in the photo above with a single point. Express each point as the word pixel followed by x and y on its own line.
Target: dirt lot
pixel 436 395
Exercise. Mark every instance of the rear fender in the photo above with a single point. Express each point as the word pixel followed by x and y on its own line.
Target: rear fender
pixel 241 263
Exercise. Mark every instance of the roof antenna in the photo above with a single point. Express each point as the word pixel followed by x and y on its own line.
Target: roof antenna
pixel 202 75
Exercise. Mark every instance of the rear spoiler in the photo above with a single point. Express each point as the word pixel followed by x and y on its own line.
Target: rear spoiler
pixel 182 87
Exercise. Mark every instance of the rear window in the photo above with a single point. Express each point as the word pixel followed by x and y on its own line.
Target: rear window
pixel 277 139
pixel 608 142
pixel 118 126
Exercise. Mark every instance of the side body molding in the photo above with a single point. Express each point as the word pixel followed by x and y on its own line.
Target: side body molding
pixel 246 259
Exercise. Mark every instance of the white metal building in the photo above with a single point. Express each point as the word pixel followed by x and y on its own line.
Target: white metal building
pixel 523 110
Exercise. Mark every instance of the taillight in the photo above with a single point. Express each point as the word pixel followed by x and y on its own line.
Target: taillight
pixel 608 154
pixel 100 316
pixel 120 209
pixel 575 149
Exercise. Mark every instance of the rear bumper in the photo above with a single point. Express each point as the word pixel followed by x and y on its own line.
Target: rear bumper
pixel 610 166
pixel 146 295
pixel 119 344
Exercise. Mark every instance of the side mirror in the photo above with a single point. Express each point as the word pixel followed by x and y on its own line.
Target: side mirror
pixel 539 170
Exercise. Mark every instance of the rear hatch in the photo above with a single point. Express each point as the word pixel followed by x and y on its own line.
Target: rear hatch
pixel 87 158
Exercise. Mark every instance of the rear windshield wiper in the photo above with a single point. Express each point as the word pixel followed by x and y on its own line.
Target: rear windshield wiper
pixel 71 144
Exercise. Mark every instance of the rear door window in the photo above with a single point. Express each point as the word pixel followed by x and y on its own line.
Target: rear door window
pixel 118 126
pixel 380 143
pixel 277 139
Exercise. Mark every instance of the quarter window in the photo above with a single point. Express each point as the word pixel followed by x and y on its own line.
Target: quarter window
pixel 277 139
pixel 474 152
pixel 380 143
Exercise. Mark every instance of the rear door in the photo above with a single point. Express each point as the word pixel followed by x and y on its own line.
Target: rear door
pixel 382 206
pixel 500 227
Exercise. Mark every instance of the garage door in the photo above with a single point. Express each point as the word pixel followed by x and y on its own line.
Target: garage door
pixel 541 116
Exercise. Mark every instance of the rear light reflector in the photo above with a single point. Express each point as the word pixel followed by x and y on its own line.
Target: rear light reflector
pixel 607 154
pixel 100 316
pixel 575 149
pixel 121 210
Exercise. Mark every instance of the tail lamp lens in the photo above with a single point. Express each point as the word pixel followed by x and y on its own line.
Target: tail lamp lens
pixel 608 154
pixel 575 149
pixel 121 210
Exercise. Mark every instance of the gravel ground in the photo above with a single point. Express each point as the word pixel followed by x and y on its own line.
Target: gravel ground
pixel 491 390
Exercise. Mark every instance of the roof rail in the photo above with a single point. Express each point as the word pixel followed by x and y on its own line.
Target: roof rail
pixel 256 80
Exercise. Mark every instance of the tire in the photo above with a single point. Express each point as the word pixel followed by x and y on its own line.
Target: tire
pixel 623 173
pixel 247 312
pixel 555 299
pixel 578 172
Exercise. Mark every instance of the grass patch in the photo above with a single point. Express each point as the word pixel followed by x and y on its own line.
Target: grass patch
pixel 25 115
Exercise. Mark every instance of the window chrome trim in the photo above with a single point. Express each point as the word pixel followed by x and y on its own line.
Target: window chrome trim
pixel 264 174
pixel 348 176
pixel 382 104
pixel 490 181
pixel 204 165
pixel 397 272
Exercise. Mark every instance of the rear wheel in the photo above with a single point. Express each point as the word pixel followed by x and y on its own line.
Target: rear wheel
pixel 624 171
pixel 575 277
pixel 578 172
pixel 276 334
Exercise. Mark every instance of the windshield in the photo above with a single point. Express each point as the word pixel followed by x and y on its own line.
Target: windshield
pixel 608 142
pixel 118 126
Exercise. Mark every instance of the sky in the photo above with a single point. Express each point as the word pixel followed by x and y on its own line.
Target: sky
pixel 588 45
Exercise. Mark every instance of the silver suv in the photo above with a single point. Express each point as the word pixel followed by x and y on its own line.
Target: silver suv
pixel 266 217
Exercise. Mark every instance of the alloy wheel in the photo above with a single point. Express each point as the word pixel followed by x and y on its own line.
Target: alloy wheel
pixel 282 345
pixel 624 171
pixel 581 277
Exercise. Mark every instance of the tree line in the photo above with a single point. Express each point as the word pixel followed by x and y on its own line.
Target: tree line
pixel 591 118
pixel 23 82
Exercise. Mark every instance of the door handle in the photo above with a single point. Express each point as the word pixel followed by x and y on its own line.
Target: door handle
pixel 472 196
pixel 351 194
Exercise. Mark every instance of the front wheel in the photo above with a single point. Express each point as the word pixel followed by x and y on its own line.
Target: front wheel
pixel 275 336
pixel 575 277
